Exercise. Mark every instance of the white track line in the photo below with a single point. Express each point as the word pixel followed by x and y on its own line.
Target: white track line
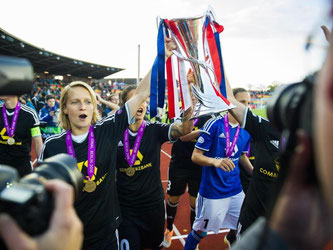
pixel 166 153
pixel 180 237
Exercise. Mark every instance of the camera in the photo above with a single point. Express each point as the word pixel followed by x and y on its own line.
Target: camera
pixel 16 76
pixel 27 200
pixel 289 109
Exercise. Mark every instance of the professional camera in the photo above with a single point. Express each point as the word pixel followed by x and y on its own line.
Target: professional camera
pixel 27 200
pixel 289 109
pixel 291 106
pixel 16 76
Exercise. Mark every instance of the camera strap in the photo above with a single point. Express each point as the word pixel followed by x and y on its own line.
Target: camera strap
pixel 229 148
pixel 11 129
pixel 91 150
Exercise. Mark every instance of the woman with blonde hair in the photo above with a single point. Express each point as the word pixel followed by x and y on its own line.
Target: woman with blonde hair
pixel 94 144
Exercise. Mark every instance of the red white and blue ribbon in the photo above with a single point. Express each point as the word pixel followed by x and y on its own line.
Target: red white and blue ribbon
pixel 157 85
pixel 212 44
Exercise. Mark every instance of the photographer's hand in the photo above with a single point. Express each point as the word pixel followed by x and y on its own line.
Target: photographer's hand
pixel 65 231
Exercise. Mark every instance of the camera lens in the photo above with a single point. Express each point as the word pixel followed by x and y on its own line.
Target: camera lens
pixel 283 107
pixel 61 166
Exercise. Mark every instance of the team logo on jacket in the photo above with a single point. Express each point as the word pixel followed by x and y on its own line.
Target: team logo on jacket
pixel 222 135
pixel 275 143
pixel 201 139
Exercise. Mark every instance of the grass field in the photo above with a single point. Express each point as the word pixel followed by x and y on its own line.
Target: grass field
pixel 260 112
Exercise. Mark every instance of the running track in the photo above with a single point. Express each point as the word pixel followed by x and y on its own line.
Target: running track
pixel 182 221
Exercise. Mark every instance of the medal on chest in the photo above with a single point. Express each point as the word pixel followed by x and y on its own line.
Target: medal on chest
pixel 130 158
pixel 11 128
pixel 90 185
pixel 11 141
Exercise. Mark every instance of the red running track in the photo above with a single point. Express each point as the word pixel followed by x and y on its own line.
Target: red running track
pixel 182 221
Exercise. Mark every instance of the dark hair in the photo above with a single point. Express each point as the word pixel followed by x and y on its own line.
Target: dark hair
pixel 235 91
pixel 124 94
pixel 48 97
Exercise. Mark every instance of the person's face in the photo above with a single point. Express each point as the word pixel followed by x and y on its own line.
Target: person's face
pixel 50 103
pixel 6 97
pixel 243 98
pixel 115 99
pixel 140 113
pixel 323 124
pixel 79 108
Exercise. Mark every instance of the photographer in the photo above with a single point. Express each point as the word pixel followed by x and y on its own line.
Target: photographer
pixel 302 217
pixel 65 231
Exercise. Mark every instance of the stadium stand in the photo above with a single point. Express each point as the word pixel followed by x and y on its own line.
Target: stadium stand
pixel 48 62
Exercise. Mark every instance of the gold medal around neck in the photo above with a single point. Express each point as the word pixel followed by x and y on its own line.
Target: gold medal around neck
pixel 90 186
pixel 130 171
pixel 11 141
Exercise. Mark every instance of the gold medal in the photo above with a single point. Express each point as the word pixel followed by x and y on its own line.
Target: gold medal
pixel 130 171
pixel 90 186
pixel 11 141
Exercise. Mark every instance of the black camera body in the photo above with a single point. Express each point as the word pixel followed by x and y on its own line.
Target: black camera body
pixel 290 109
pixel 27 200
pixel 16 76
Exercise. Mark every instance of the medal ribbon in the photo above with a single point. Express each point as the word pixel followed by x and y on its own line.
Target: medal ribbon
pixel 11 129
pixel 249 151
pixel 130 158
pixel 91 150
pixel 229 148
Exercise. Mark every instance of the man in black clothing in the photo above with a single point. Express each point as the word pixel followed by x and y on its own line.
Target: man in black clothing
pixel 266 168
pixel 265 172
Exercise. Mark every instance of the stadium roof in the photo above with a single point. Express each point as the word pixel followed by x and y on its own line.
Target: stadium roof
pixel 45 61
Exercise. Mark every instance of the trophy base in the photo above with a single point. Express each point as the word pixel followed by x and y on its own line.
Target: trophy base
pixel 203 111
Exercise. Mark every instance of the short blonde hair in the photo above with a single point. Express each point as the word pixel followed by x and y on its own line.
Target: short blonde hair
pixel 63 118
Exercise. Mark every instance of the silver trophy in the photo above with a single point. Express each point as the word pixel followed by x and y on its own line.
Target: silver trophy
pixel 189 34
